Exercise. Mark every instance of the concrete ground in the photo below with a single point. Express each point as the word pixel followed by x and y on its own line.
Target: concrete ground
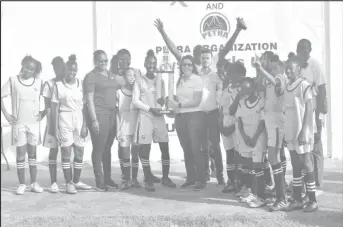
pixel 165 207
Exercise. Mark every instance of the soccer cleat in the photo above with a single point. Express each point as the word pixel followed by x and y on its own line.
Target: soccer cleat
pixel 111 184
pixel 71 188
pixel 125 185
pixel 149 186
pixel 188 184
pixel 270 201
pixel 228 188
pixel 295 205
pixel 279 205
pixel 135 183
pixel 248 198
pixel 167 182
pixel 36 188
pixel 221 183
pixel 54 188
pixel 155 179
pixel 82 186
pixel 256 203
pixel 311 206
pixel 199 186
pixel 21 189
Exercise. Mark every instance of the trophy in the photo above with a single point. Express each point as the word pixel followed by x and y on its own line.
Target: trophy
pixel 169 69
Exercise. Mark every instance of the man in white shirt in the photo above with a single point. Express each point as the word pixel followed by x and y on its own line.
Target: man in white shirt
pixel 313 73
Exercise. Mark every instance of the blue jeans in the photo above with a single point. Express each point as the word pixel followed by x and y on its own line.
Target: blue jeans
pixel 190 129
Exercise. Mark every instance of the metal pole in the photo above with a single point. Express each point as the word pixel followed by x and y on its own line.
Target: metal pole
pixel 95 30
pixel 327 71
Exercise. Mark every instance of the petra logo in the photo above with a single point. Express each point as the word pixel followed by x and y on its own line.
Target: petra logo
pixel 214 24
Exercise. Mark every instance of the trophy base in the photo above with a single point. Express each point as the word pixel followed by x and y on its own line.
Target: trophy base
pixel 167 111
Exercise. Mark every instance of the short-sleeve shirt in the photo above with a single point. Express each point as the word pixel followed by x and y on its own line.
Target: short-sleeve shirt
pixel 127 114
pixel 185 92
pixel 228 96
pixel 296 96
pixel 105 90
pixel 314 76
pixel 212 91
pixel 69 97
pixel 47 89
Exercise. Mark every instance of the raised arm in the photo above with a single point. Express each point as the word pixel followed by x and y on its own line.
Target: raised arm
pixel 170 44
pixel 262 72
pixel 229 45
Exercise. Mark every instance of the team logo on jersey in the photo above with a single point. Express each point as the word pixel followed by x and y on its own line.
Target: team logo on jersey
pixel 214 24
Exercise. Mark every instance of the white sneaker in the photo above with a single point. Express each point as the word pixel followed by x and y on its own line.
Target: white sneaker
pixel 71 189
pixel 82 186
pixel 54 188
pixel 36 188
pixel 21 189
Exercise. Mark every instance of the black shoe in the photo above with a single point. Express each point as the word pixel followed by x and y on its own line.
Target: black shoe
pixel 111 184
pixel 135 183
pixel 101 188
pixel 279 205
pixel 228 188
pixel 155 179
pixel 167 182
pixel 149 186
pixel 188 184
pixel 199 186
pixel 295 205
pixel 311 206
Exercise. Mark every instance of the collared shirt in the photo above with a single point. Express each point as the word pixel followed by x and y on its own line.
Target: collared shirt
pixel 185 92
pixel 212 91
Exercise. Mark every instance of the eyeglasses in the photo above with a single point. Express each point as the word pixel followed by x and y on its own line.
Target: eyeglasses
pixel 188 65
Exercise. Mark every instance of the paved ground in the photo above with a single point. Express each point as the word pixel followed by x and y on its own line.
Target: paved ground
pixel 165 207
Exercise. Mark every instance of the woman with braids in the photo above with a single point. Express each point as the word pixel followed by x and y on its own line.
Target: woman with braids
pixel 25 90
pixel 69 124
pixel 119 63
pixel 100 86
pixel 50 141
pixel 151 125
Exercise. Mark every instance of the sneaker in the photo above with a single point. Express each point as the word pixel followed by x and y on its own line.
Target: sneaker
pixel 71 188
pixel 295 205
pixel 125 185
pixel 135 183
pixel 167 182
pixel 36 188
pixel 111 184
pixel 221 183
pixel 242 191
pixel 199 186
pixel 279 205
pixel 248 198
pixel 246 193
pixel 155 179
pixel 256 203
pixel 21 189
pixel 149 186
pixel 311 206
pixel 304 200
pixel 270 201
pixel 188 184
pixel 54 188
pixel 82 186
pixel 101 189
pixel 228 188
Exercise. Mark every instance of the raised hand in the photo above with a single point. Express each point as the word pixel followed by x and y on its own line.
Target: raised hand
pixel 159 24
pixel 241 24
pixel 256 61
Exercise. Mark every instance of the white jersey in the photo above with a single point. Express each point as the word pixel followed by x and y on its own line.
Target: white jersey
pixel 47 88
pixel 227 98
pixel 70 97
pixel 127 114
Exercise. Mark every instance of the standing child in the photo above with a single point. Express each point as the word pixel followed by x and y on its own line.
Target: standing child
pixel 25 90
pixel 126 125
pixel 299 128
pixel 252 141
pixel 68 108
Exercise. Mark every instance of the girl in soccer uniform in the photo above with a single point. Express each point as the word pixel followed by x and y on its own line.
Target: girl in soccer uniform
pixel 151 125
pixel 275 123
pixel 235 73
pixel 50 141
pixel 251 139
pixel 69 124
pixel 25 91
pixel 299 130
pixel 126 124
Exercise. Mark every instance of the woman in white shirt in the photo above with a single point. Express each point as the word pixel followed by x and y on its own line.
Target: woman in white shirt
pixel 189 122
